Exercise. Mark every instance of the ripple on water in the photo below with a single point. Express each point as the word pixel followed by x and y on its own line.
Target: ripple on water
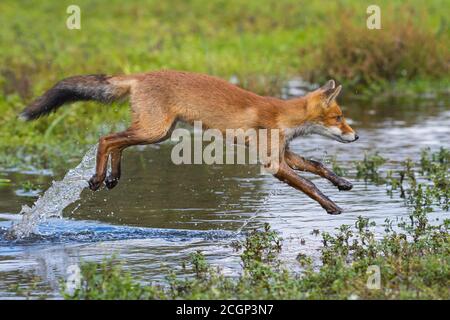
pixel 71 231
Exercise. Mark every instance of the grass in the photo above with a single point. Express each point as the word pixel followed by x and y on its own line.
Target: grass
pixel 411 256
pixel 372 62
pixel 262 45
pixel 368 168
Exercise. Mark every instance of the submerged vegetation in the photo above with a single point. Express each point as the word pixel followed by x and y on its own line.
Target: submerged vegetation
pixel 368 168
pixel 409 261
pixel 260 45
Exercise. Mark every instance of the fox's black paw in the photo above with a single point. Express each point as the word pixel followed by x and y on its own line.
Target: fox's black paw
pixel 111 182
pixel 344 185
pixel 94 183
pixel 334 210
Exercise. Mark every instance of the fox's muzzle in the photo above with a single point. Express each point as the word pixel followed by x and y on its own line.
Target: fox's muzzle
pixel 348 137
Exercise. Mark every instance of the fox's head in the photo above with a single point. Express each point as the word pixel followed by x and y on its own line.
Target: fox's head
pixel 324 116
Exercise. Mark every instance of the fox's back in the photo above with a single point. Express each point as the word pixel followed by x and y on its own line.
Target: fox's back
pixel 193 96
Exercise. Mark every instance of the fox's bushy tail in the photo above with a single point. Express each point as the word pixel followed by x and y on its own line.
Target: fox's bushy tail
pixel 76 88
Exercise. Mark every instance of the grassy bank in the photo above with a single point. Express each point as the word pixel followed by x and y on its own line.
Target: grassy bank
pixel 412 256
pixel 261 43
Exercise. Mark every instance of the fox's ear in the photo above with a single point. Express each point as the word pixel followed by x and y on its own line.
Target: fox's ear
pixel 328 86
pixel 331 94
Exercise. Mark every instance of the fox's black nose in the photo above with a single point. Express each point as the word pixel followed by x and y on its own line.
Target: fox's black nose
pixel 356 137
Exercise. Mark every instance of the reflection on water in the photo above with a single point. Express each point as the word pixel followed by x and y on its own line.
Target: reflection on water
pixel 161 212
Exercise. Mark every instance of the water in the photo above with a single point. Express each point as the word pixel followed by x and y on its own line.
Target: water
pixel 56 198
pixel 160 213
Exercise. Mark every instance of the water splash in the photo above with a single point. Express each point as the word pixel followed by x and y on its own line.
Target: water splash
pixel 60 195
pixel 265 202
pixel 64 231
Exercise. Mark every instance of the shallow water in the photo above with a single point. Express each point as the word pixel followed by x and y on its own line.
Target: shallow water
pixel 160 212
pixel 55 199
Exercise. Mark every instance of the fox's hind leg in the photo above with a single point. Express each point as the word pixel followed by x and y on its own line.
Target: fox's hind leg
pixel 107 145
pixel 114 144
pixel 297 162
pixel 113 178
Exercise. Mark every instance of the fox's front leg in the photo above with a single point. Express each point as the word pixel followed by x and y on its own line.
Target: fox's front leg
pixel 297 162
pixel 113 178
pixel 286 174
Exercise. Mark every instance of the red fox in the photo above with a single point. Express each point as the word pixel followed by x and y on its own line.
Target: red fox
pixel 162 98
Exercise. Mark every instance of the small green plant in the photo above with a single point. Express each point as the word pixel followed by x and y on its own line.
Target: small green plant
pixel 340 171
pixel 108 281
pixel 28 186
pixel 368 168
pixel 260 246
pixel 393 184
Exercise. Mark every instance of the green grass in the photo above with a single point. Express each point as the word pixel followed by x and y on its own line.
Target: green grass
pixel 412 257
pixel 368 168
pixel 261 43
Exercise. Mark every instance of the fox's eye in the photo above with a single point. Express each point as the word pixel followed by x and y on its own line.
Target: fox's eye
pixel 339 118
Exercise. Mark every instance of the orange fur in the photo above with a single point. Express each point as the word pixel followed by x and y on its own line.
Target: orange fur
pixel 218 104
